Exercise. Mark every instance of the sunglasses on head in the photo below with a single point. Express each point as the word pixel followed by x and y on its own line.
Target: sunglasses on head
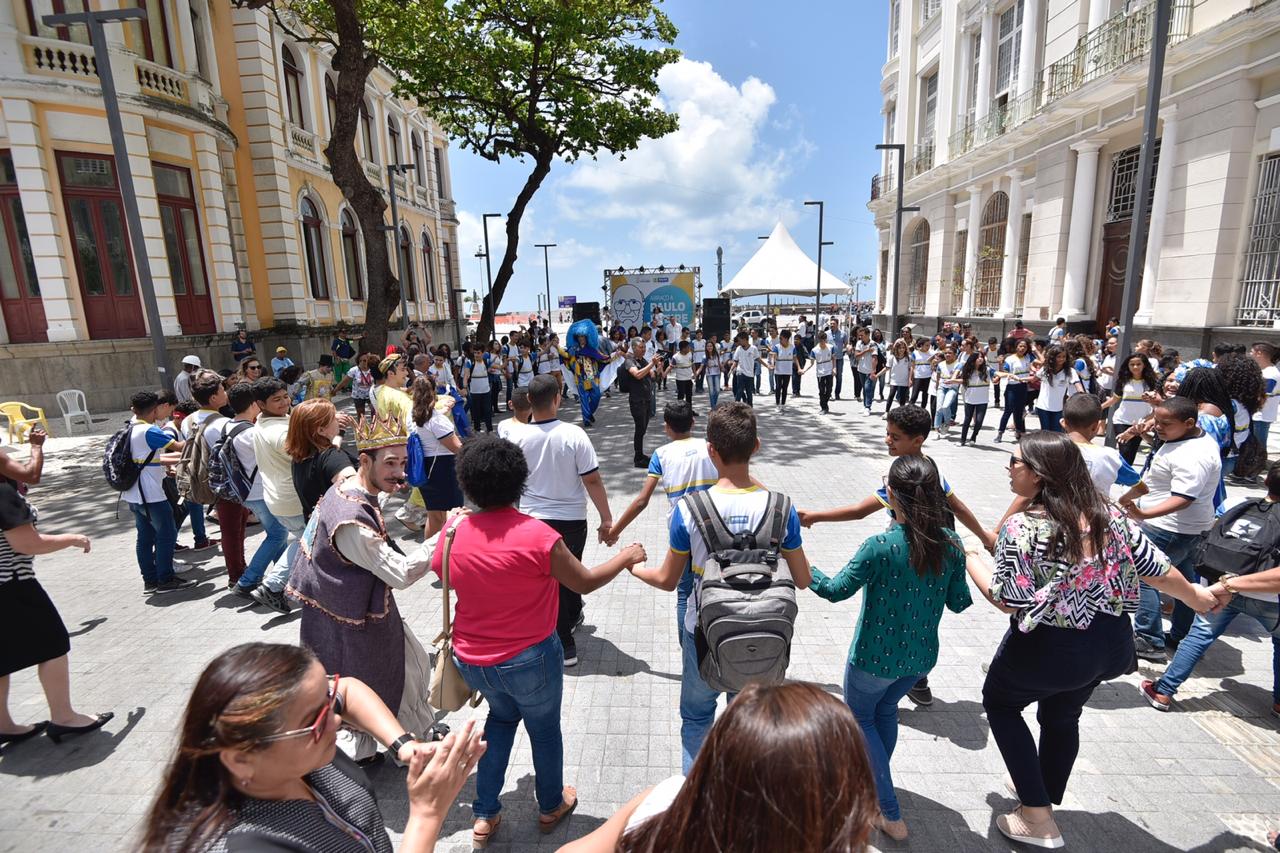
pixel 331 706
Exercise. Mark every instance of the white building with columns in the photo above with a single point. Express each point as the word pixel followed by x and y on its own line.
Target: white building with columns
pixel 1022 121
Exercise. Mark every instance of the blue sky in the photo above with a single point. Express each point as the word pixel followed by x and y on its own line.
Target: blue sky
pixel 778 103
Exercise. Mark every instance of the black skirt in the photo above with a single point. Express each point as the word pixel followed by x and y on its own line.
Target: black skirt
pixel 31 631
pixel 442 491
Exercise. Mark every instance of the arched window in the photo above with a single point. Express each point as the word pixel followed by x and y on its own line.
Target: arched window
pixel 428 268
pixel 366 132
pixel 995 217
pixel 292 87
pixel 313 245
pixel 393 140
pixel 419 165
pixel 351 255
pixel 919 268
pixel 331 101
pixel 406 264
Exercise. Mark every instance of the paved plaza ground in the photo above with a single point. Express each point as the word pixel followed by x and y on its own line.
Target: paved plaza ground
pixel 1203 778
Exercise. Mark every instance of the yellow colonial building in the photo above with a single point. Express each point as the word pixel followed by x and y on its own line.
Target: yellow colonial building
pixel 226 119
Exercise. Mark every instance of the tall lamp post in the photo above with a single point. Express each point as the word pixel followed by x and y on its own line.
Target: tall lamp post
pixel 817 311
pixel 459 301
pixel 488 272
pixel 897 231
pixel 94 20
pixel 393 170
pixel 546 266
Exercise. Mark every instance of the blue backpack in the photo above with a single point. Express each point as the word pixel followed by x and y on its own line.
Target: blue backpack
pixel 415 468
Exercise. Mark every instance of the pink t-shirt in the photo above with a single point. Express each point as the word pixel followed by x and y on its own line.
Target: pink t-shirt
pixel 500 571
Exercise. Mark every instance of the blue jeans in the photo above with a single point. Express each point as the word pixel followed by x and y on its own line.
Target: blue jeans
pixel 195 511
pixel 683 588
pixel 1180 549
pixel 947 406
pixel 839 377
pixel 1262 430
pixel 278 573
pixel 527 687
pixel 1049 421
pixel 874 702
pixel 270 549
pixel 1205 630
pixel 743 388
pixel 713 389
pixel 157 534
pixel 868 389
pixel 697 702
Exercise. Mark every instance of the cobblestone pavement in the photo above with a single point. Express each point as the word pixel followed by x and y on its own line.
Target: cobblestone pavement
pixel 1202 778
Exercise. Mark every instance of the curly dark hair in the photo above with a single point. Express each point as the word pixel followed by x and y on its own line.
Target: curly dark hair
pixel 1205 385
pixel 492 471
pixel 1243 379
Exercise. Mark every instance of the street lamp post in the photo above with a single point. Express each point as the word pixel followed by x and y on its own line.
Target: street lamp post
pixel 393 170
pixel 457 321
pixel 94 20
pixel 897 231
pixel 546 266
pixel 488 271
pixel 817 311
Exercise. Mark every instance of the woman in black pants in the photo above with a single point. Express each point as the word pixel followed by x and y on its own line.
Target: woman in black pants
pixel 1067 570
pixel 1016 371
pixel 922 362
pixel 975 386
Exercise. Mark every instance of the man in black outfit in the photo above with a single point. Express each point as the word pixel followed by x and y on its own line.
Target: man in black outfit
pixel 639 396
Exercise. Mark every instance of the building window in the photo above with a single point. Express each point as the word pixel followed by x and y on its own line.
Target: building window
pixel 406 265
pixel 929 97
pixel 201 40
pixel 313 245
pixel 438 155
pixel 419 164
pixel 446 255
pixel 37 9
pixel 895 20
pixel 330 101
pixel 154 33
pixel 178 224
pixel 366 133
pixel 919 268
pixel 393 140
pixel 1008 49
pixel 986 290
pixel 19 286
pixel 351 255
pixel 1260 284
pixel 1124 182
pixel 929 8
pixel 428 268
pixel 1024 254
pixel 958 282
pixel 972 104
pixel 292 87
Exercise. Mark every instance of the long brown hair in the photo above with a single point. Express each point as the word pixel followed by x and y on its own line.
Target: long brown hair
pixel 917 488
pixel 784 768
pixel 1067 495
pixel 303 440
pixel 424 399
pixel 239 699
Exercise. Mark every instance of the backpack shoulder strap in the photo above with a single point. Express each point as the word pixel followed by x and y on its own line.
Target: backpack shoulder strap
pixel 773 524
pixel 708 521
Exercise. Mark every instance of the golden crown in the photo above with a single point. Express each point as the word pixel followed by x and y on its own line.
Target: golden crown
pixel 377 431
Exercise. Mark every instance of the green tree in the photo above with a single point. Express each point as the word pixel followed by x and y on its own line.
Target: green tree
pixel 540 80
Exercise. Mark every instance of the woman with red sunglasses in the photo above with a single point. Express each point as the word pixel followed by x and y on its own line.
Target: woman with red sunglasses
pixel 257 766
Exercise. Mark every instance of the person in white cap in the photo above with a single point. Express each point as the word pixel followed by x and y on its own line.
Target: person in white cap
pixel 182 382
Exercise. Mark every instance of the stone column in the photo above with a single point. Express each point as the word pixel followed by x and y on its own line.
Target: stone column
pixel 223 278
pixel 971 249
pixel 986 65
pixel 964 71
pixel 144 186
pixel 1029 52
pixel 1012 246
pixel 1159 209
pixel 1080 235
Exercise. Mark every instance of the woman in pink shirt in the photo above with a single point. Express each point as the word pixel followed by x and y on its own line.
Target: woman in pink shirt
pixel 505 567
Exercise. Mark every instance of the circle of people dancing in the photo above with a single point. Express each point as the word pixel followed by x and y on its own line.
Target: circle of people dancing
pixel 274 736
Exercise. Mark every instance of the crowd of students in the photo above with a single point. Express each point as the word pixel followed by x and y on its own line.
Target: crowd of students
pixel 1079 561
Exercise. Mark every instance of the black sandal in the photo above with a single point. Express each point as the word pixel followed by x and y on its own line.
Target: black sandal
pixel 19 737
pixel 56 732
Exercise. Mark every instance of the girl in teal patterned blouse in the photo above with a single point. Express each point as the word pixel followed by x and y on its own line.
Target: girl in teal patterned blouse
pixel 909 572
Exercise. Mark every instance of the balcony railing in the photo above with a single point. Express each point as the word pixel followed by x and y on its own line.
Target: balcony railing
pixel 374 172
pixel 921 163
pixel 1122 39
pixel 882 185
pixel 961 142
pixel 301 141
pixel 161 82
pixel 447 210
pixel 61 58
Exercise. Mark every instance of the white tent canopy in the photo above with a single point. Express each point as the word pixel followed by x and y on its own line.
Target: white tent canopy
pixel 781 267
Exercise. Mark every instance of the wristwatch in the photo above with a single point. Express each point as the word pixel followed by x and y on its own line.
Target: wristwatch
pixel 1225 580
pixel 396 745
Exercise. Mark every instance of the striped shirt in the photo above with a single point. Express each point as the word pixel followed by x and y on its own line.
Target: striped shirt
pixel 14 512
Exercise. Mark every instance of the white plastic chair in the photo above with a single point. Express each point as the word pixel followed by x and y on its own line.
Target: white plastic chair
pixel 73 406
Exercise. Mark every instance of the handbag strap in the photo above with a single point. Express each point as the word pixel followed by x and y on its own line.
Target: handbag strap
pixel 447 632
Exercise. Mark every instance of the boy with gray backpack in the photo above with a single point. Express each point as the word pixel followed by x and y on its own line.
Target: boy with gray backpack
pixel 745 546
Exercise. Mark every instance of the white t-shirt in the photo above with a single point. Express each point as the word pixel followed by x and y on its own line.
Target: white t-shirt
pixel 899 371
pixel 1270 408
pixel 683 466
pixel 824 360
pixel 1053 393
pixel 1189 468
pixel 1057 333
pixel 149 487
pixel 442 375
pixel 746 359
pixel 867 358
pixel 741 510
pixel 243 443
pixel 1107 381
pixel 510 428
pixel 783 358
pixel 524 371
pixel 656 802
pixel 1132 408
pixel 275 467
pixel 699 352
pixel 682 365
pixel 947 371
pixel 479 383
pixel 923 369
pixel 713 362
pixel 1107 467
pixel 437 427
pixel 361 383
pixel 1019 366
pixel 559 456
pixel 977 388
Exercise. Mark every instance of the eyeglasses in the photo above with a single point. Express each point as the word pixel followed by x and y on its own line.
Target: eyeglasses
pixel 1013 460
pixel 316 729
pixel 253 367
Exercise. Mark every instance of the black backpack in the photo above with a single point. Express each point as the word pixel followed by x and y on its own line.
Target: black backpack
pixel 746 614
pixel 118 465
pixel 1244 540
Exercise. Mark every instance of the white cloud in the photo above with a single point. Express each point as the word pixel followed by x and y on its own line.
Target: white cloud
pixel 695 188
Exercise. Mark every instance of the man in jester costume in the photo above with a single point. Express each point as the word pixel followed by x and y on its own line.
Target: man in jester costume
pixel 593 372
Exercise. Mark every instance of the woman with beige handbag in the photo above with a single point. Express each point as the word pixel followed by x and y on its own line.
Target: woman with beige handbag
pixel 506 568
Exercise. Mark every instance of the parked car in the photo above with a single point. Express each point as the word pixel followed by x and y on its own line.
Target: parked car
pixel 750 317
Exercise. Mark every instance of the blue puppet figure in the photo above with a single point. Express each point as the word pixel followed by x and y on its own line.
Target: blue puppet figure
pixel 586 361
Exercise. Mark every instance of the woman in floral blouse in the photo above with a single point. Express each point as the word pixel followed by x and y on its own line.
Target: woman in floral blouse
pixel 1067 571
